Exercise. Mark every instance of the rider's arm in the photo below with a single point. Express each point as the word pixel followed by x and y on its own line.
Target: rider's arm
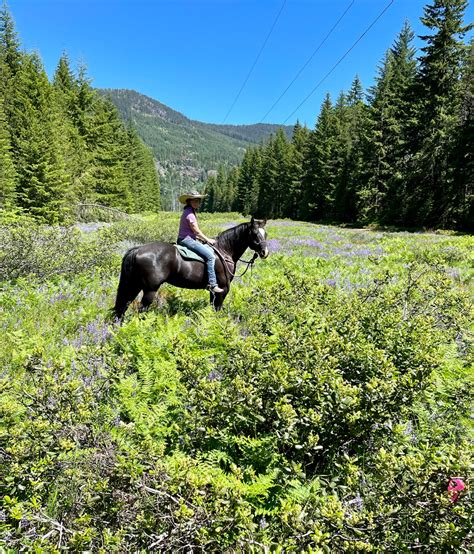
pixel 199 234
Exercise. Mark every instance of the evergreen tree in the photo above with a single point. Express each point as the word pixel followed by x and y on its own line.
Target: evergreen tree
pixel 66 88
pixel 107 140
pixel 267 177
pixel 357 120
pixel 85 101
pixel 141 173
pixel 232 180
pixel 318 176
pixel 248 182
pixel 340 205
pixel 210 191
pixel 10 62
pixel 220 194
pixel 72 144
pixel 274 177
pixel 463 155
pixel 388 142
pixel 298 154
pixel 150 175
pixel 7 169
pixel 381 122
pixel 439 105
pixel 42 183
pixel 10 55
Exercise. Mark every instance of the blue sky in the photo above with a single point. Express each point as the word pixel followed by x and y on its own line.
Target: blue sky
pixel 194 55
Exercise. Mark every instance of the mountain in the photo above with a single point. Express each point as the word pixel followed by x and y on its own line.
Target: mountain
pixel 185 149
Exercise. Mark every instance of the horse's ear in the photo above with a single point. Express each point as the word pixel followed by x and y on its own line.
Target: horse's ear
pixel 257 222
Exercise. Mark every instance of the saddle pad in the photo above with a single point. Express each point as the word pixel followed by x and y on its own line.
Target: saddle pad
pixel 188 254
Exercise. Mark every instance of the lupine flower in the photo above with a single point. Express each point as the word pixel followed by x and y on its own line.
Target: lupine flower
pixel 214 375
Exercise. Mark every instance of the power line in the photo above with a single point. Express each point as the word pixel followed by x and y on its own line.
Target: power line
pixel 308 60
pixel 340 59
pixel 256 60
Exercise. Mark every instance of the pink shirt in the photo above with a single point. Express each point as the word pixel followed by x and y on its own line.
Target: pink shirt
pixel 188 216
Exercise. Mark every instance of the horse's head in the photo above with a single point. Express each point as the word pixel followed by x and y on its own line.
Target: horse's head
pixel 258 237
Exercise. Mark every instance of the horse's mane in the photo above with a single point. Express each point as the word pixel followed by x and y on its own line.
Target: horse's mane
pixel 229 237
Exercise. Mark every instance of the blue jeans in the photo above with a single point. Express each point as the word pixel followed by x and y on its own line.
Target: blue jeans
pixel 205 252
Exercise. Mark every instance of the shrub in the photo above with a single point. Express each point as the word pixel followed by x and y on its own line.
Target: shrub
pixel 322 410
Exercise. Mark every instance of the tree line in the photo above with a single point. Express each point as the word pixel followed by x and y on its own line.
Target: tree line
pixel 400 154
pixel 61 143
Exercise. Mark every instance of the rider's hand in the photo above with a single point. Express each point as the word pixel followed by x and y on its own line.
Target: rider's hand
pixel 211 242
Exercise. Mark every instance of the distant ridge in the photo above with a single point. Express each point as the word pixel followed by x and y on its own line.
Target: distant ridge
pixel 130 103
pixel 185 149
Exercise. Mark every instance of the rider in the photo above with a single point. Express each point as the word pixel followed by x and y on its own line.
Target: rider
pixel 189 231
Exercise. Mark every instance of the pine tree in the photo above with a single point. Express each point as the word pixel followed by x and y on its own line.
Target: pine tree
pixel 66 88
pixel 232 180
pixel 439 107
pixel 10 55
pixel 357 119
pixel 85 102
pixel 42 183
pixel 381 121
pixel 141 173
pixel 298 154
pixel 248 182
pixel 210 191
pixel 150 172
pixel 220 191
pixel 106 139
pixel 10 63
pixel 463 155
pixel 7 169
pixel 388 131
pixel 72 144
pixel 274 177
pixel 340 160
pixel 268 175
pixel 318 171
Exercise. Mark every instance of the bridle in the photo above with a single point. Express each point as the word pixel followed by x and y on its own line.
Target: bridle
pixel 227 261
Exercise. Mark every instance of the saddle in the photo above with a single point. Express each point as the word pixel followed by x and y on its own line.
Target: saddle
pixel 188 254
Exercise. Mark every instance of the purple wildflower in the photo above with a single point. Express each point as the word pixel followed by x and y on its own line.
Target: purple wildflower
pixel 274 245
pixel 214 375
pixel 357 502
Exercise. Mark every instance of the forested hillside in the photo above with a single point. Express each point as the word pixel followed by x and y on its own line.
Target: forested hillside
pixel 61 143
pixel 185 150
pixel 400 153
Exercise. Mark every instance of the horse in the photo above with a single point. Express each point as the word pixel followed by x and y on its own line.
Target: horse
pixel 145 268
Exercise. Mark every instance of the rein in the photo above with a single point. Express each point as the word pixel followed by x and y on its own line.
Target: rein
pixel 225 259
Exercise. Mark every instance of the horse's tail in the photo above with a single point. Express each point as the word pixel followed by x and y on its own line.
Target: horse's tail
pixel 128 286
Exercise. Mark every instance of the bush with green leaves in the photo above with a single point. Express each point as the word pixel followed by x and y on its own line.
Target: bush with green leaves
pixel 324 409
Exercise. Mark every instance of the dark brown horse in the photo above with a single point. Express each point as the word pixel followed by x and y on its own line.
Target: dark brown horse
pixel 145 268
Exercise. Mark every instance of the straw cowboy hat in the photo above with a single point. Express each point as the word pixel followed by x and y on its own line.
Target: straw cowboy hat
pixel 190 196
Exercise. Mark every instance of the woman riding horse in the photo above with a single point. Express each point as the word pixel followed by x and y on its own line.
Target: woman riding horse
pixel 189 231
pixel 145 268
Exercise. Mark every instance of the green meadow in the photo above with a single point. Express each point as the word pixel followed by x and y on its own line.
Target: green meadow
pixel 324 409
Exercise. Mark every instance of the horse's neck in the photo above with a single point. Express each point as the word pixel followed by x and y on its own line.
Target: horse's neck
pixel 239 250
pixel 237 247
